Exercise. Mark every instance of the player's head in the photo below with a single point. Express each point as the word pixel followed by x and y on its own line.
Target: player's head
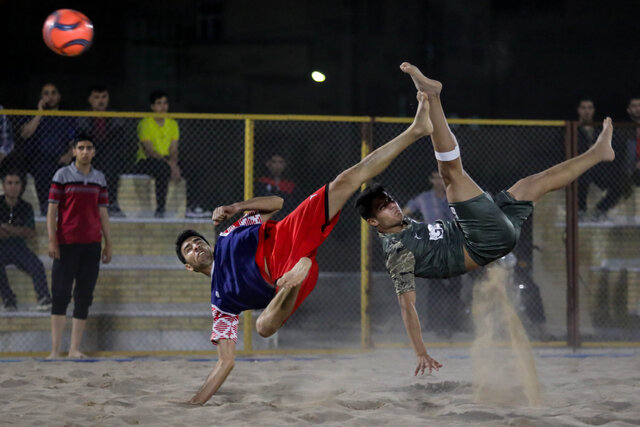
pixel 50 95
pixel 83 150
pixel 633 108
pixel 159 101
pixel 376 206
pixel 585 109
pixel 194 251
pixel 99 97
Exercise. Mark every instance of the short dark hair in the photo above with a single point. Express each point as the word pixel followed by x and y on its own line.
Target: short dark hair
pixel 365 200
pixel 585 99
pixel 157 94
pixel 633 98
pixel 19 174
pixel 184 236
pixel 82 137
pixel 98 88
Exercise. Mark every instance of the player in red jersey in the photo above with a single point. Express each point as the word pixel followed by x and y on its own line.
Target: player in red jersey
pixel 270 264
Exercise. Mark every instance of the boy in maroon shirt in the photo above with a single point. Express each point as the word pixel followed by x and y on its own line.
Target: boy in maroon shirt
pixel 77 219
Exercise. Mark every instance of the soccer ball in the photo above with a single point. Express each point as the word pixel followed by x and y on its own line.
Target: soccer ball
pixel 67 32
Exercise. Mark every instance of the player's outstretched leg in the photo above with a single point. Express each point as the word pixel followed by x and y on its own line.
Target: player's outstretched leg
pixel 458 184
pixel 349 181
pixel 535 186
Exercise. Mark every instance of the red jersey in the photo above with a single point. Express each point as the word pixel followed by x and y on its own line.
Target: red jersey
pixel 79 197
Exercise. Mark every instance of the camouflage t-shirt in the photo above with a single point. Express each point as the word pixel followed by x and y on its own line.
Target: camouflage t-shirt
pixel 432 251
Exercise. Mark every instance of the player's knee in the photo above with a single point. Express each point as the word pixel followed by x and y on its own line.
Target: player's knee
pixel 265 328
pixel 59 302
pixel 59 306
pixel 81 304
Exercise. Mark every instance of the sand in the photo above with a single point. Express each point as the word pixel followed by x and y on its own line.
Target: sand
pixel 600 387
pixel 499 373
pixel 499 380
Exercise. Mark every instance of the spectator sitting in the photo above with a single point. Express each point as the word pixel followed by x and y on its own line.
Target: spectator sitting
pixel 607 176
pixel 47 143
pixel 110 143
pixel 274 184
pixel 6 137
pixel 17 224
pixel 158 149
pixel 633 109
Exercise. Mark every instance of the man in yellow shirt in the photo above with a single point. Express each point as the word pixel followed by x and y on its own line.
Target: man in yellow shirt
pixel 158 149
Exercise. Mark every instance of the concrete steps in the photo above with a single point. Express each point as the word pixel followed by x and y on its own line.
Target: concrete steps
pixel 130 279
pixel 140 236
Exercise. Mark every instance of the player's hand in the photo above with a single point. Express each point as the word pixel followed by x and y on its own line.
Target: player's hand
pixel 175 172
pixel 426 362
pixel 195 401
pixel 106 253
pixel 41 104
pixel 223 212
pixel 54 250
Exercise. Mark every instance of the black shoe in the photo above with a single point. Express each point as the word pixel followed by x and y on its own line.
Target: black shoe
pixel 115 211
pixel 10 305
pixel 159 213
pixel 44 304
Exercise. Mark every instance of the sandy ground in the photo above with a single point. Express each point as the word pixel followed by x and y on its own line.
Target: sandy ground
pixel 592 387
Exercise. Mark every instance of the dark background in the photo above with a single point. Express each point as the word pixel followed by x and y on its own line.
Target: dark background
pixel 497 59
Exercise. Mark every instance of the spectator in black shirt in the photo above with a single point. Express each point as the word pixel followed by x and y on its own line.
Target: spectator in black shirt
pixel 111 142
pixel 17 223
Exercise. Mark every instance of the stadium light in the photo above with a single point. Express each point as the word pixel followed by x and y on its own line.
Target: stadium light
pixel 318 77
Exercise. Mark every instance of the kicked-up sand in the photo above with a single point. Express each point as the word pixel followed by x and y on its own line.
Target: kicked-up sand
pixel 591 387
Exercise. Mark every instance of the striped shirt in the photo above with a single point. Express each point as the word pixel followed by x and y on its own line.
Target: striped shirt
pixel 79 197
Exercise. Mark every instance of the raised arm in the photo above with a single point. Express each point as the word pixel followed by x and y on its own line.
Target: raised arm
pixel 29 128
pixel 267 206
pixel 226 362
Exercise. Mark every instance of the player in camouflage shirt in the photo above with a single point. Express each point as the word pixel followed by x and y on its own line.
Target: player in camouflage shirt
pixel 484 229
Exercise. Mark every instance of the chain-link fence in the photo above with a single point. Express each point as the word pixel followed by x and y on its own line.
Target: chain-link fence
pixel 608 205
pixel 145 301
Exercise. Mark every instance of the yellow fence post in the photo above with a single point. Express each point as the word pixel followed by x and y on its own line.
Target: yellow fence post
pixel 248 193
pixel 365 242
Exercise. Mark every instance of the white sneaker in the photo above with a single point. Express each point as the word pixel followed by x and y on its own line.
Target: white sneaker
pixel 44 304
pixel 197 212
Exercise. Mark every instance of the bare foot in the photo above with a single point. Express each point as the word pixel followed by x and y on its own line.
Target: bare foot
pixel 422 123
pixel 76 355
pixel 54 355
pixel 422 83
pixel 603 143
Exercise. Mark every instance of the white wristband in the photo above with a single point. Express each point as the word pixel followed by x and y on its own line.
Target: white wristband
pixel 449 155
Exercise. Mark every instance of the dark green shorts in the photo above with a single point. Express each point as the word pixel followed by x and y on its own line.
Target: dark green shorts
pixel 491 227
